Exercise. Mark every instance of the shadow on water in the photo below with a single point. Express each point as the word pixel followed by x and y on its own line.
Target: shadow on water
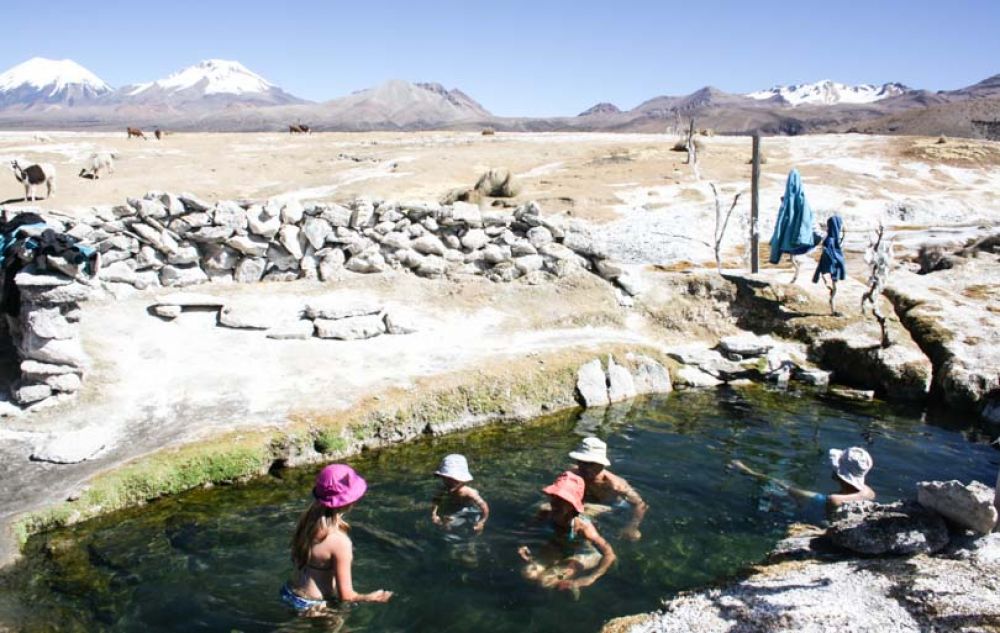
pixel 213 560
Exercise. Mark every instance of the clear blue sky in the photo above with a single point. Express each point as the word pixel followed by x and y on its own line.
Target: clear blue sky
pixel 518 57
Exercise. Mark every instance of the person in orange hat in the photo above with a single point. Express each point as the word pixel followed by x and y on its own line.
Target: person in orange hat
pixel 576 554
pixel 321 550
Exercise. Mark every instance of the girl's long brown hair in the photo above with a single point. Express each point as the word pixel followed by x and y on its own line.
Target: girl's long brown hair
pixel 314 526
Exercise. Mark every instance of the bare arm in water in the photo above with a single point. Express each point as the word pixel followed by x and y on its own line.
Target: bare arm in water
pixel 588 531
pixel 343 554
pixel 847 493
pixel 639 507
pixel 798 493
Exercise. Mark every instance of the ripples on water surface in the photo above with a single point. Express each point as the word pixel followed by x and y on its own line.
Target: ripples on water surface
pixel 213 560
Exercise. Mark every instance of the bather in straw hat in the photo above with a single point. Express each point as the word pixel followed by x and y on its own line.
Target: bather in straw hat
pixel 455 467
pixel 851 465
pixel 593 450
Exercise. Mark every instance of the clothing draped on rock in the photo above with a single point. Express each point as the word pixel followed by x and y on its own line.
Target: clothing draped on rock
pixel 793 231
pixel 25 242
pixel 832 262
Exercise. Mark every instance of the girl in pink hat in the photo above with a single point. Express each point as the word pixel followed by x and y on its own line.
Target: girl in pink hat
pixel 575 546
pixel 322 551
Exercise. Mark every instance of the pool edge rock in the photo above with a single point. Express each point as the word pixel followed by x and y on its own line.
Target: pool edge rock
pixel 802 590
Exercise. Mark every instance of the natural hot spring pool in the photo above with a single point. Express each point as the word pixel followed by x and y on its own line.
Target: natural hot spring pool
pixel 213 560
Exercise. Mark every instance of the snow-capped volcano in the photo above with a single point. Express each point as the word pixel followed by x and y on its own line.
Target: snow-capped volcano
pixel 212 76
pixel 214 80
pixel 828 92
pixel 49 82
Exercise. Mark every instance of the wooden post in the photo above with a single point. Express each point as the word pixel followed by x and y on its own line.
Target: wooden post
pixel 755 205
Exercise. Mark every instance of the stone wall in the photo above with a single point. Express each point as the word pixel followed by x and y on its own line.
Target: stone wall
pixel 45 334
pixel 169 240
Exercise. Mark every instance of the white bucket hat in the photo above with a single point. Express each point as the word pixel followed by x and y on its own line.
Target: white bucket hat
pixel 851 465
pixel 454 466
pixel 593 450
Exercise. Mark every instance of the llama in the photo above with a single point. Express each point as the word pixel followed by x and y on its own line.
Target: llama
pixel 98 162
pixel 134 131
pixel 158 133
pixel 34 175
pixel 298 128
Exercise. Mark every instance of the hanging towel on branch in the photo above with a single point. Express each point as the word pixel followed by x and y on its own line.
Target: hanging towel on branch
pixel 832 261
pixel 793 231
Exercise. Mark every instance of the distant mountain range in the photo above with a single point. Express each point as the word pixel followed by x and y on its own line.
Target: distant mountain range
pixel 220 95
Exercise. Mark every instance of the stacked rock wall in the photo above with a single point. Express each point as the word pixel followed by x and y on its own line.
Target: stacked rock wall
pixel 169 240
pixel 45 333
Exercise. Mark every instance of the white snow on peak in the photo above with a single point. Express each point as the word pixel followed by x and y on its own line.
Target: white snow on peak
pixel 827 92
pixel 53 75
pixel 220 76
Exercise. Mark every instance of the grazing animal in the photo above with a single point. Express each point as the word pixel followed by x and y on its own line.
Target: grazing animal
pixel 158 133
pixel 42 138
pixel 134 131
pixel 98 162
pixel 298 128
pixel 34 175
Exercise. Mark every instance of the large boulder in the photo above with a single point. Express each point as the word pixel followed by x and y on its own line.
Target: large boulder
pixel 497 183
pixel 902 528
pixel 592 384
pixel 969 506
pixel 650 376
pixel 746 345
pixel 621 386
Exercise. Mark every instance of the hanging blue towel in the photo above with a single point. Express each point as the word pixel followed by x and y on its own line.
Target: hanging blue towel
pixel 793 232
pixel 832 260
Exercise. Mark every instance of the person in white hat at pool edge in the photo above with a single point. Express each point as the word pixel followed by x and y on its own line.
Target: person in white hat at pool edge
pixel 458 503
pixel 603 486
pixel 850 467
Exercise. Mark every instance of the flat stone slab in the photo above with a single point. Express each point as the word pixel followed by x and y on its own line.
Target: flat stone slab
pixel 25 278
pixel 350 328
pixel 190 300
pixel 72 447
pixel 252 317
pixel 333 309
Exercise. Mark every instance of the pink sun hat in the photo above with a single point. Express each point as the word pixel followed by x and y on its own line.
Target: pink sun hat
pixel 338 485
pixel 569 487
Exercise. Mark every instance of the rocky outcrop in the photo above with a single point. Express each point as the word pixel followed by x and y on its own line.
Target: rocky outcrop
pixel 744 357
pixel 955 592
pixel 849 344
pixel 808 585
pixel 952 316
pixel 969 506
pixel 894 529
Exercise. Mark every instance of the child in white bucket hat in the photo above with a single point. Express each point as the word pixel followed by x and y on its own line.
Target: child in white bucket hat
pixel 605 487
pixel 458 503
pixel 850 466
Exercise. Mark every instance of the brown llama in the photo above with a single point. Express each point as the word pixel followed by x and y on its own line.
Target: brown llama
pixel 134 131
pixel 299 128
